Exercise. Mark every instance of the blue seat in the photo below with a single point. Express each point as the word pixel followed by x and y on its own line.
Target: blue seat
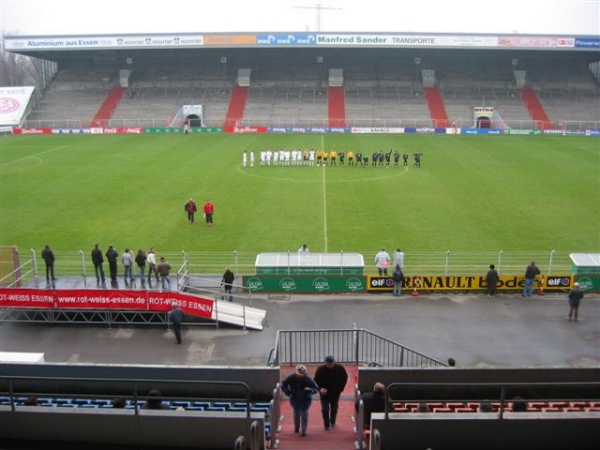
pixel 215 408
pixel 81 401
pixel 225 405
pixel 100 402
pixel 260 407
pixel 180 403
pixel 201 404
pixel 195 408
pixel 61 401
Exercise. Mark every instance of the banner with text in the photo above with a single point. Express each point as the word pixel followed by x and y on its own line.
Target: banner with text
pixel 105 299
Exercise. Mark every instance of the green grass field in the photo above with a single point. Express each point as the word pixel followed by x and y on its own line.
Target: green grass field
pixel 472 193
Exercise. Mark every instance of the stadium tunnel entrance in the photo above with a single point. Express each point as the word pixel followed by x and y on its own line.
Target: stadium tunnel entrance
pixel 484 122
pixel 194 120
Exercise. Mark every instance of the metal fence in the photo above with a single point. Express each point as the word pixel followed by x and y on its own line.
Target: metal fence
pixel 525 124
pixel 449 262
pixel 356 346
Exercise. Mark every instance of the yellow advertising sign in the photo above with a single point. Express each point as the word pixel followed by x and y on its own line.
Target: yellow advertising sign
pixel 463 283
pixel 229 39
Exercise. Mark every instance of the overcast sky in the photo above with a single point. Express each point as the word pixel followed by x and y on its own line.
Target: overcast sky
pixel 66 17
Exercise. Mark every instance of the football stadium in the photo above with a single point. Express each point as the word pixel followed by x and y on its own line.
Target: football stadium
pixel 249 197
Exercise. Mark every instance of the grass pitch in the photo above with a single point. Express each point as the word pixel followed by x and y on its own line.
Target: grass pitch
pixel 472 193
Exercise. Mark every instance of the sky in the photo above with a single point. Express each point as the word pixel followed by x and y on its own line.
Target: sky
pixel 80 17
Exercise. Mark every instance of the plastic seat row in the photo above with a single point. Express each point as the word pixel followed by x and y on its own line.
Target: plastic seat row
pixel 173 404
pixel 533 406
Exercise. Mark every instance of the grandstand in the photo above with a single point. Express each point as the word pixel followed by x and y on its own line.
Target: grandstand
pixel 383 87
pixel 226 378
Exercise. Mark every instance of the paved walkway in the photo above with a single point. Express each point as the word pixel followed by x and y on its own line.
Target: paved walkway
pixel 476 331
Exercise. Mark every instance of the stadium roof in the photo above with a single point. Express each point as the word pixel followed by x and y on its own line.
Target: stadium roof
pixel 34 45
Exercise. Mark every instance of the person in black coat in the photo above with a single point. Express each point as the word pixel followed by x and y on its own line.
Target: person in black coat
pixel 331 379
pixel 227 283
pixel 176 316
pixel 112 256
pixel 98 261
pixel 48 257
pixel 491 279
pixel 372 402
pixel 575 296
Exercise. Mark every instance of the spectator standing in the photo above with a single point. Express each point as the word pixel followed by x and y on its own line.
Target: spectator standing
pixel 398 278
pixel 151 258
pixel 209 210
pixel 372 402
pixel 300 388
pixel 111 257
pixel 491 279
pixel 227 283
pixel 382 262
pixel 127 260
pixel 530 273
pixel 399 258
pixel 575 296
pixel 164 269
pixel 98 261
pixel 331 379
pixel 190 208
pixel 48 257
pixel 176 316
pixel 303 249
pixel 140 260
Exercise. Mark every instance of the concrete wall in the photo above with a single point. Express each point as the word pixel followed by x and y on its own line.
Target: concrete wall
pixel 153 428
pixel 367 377
pixel 260 380
pixel 485 431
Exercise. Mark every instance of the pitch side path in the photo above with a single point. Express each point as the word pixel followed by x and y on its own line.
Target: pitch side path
pixel 475 330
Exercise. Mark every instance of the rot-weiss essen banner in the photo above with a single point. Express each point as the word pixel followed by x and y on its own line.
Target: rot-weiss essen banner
pixel 105 299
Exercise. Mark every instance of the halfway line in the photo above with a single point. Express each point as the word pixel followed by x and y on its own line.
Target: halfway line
pixel 324 197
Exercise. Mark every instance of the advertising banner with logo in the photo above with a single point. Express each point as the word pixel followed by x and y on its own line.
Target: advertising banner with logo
pixel 458 283
pixel 13 102
pixel 304 284
pixel 105 299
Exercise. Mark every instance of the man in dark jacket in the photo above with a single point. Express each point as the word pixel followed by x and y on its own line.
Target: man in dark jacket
pixel 227 283
pixel 98 261
pixel 111 256
pixel 491 279
pixel 331 379
pixel 372 402
pixel 531 272
pixel 575 296
pixel 176 315
pixel 48 257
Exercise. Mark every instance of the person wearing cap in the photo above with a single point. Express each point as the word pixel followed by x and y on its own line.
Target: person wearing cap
pixel 331 379
pixel 300 388
pixel 575 296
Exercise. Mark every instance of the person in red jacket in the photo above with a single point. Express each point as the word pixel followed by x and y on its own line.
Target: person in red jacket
pixel 209 210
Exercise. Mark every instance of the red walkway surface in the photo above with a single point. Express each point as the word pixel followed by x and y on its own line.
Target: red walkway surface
pixel 237 105
pixel 107 109
pixel 341 437
pixel 535 108
pixel 336 101
pixel 437 109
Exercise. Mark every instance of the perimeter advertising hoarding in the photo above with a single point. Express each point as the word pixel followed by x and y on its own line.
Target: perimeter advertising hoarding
pixel 327 284
pixel 110 299
pixel 462 283
pixel 304 284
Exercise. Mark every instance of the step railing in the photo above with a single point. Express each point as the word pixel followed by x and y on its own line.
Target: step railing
pixel 355 346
